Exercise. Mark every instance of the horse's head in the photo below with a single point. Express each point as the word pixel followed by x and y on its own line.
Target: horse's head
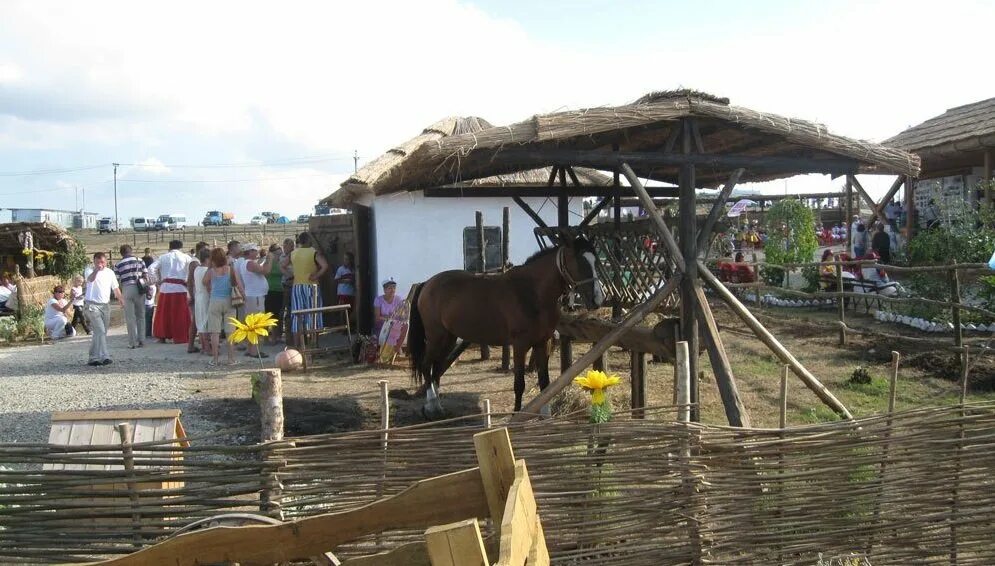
pixel 579 268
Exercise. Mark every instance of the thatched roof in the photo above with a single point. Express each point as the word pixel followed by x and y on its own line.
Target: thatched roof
pixel 962 129
pixel 47 236
pixel 389 172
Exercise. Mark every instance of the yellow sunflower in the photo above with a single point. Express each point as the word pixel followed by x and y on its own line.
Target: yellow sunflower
pixel 596 382
pixel 253 328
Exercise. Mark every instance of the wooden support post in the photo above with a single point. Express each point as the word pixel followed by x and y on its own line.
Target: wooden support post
pixel 485 350
pixel 617 219
pixel 958 464
pixel 848 215
pixel 682 377
pixel 456 544
pixel 599 363
pixel 384 412
pixel 776 347
pixel 487 413
pixel 505 243
pixel 910 207
pixel 705 234
pixel 893 382
pixel 954 277
pixel 566 353
pixel 128 455
pixel 783 413
pixel 841 304
pixel 267 389
pixel 601 346
pixel 687 227
pixel 637 379
pixel 736 412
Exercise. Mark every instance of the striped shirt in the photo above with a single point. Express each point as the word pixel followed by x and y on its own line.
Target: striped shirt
pixel 129 269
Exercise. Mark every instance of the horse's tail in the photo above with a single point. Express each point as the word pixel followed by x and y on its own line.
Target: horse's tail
pixel 416 337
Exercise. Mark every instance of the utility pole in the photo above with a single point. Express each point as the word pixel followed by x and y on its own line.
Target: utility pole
pixel 355 161
pixel 117 226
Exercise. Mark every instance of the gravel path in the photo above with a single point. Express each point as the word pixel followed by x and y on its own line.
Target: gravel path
pixel 38 379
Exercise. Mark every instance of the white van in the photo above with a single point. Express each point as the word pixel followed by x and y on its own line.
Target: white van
pixel 143 224
pixel 171 222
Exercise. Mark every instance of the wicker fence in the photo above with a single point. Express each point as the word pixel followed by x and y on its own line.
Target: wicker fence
pixel 914 487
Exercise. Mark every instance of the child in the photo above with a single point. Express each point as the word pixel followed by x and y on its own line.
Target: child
pixel 149 310
pixel 76 297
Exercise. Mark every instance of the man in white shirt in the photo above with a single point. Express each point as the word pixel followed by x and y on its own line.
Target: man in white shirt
pixel 172 312
pixel 100 285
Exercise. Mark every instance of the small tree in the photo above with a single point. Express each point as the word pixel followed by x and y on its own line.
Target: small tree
pixel 790 237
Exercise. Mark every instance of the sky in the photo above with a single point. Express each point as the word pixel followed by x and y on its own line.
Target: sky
pixel 249 106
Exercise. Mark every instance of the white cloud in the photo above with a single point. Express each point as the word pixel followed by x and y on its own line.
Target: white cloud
pixel 148 167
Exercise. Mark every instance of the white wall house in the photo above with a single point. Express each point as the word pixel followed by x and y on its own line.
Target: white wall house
pixel 417 237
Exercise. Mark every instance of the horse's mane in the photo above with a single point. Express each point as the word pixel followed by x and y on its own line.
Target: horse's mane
pixel 540 254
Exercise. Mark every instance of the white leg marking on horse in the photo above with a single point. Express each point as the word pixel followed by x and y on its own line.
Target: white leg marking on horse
pixel 432 402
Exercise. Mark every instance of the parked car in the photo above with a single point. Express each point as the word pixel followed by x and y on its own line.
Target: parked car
pixel 303 219
pixel 171 222
pixel 257 220
pixel 106 225
pixel 143 224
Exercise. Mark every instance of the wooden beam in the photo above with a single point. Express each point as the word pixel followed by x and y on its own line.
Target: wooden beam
pixel 725 380
pixel 910 200
pixel 562 204
pixel 573 176
pixel 595 211
pixel 535 191
pixel 776 347
pixel 687 230
pixel 566 378
pixel 705 234
pixel 661 226
pixel 599 159
pixel 877 208
pixel 532 214
pixel 552 175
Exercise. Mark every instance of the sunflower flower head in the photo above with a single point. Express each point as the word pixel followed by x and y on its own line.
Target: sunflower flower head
pixel 256 325
pixel 596 382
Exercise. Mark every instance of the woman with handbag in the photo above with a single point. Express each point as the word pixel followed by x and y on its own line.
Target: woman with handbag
pixel 226 291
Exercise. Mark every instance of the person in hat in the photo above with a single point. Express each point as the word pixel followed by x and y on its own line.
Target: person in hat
pixel 385 305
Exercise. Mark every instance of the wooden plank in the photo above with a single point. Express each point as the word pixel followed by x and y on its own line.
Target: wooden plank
pixel 104 433
pixel 519 523
pixel 442 499
pixel 115 415
pixel 496 459
pixel 144 430
pixel 412 554
pixel 81 434
pixel 456 544
pixel 539 553
pixel 59 435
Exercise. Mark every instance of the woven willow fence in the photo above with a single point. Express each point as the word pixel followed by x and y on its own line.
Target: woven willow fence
pixel 914 487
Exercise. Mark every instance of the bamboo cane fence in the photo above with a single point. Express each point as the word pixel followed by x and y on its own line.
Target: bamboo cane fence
pixel 910 487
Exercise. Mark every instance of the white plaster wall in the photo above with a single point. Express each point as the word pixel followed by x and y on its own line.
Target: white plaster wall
pixel 417 237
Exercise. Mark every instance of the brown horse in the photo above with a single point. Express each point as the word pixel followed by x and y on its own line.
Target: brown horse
pixel 518 308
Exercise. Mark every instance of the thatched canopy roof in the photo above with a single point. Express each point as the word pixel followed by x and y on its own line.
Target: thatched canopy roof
pixel 47 236
pixel 389 173
pixel 643 126
pixel 955 138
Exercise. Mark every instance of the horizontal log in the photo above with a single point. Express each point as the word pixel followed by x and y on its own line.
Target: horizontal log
pixel 536 191
pixel 541 157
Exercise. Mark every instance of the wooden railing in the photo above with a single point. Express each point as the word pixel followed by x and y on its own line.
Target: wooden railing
pixel 448 506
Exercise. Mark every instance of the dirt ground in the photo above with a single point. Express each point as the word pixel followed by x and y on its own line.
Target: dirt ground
pixel 343 396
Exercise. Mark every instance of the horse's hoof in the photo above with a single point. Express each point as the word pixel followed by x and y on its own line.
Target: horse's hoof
pixel 432 415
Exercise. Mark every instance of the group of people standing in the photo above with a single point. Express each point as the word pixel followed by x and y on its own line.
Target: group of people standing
pixel 179 297
pixel 880 239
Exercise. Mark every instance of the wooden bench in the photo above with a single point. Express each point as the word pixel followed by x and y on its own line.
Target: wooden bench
pixel 309 343
pixel 448 507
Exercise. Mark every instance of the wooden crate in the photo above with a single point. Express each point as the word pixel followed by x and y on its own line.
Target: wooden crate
pixel 101 429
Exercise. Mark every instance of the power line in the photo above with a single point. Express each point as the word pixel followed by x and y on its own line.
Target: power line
pixel 38 191
pixel 50 171
pixel 255 180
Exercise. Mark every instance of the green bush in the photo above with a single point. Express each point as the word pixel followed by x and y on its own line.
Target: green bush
pixel 790 237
